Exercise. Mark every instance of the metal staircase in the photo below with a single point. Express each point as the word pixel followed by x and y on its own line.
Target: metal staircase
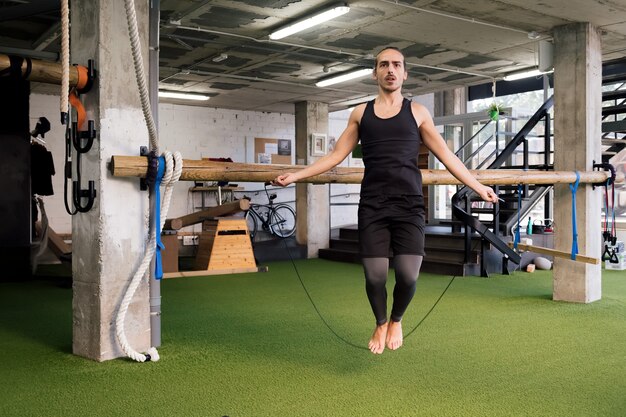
pixel 491 231
pixel 613 109
pixel 504 216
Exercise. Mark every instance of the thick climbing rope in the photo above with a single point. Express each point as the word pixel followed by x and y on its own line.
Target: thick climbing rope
pixel 171 173
pixel 65 60
pixel 140 74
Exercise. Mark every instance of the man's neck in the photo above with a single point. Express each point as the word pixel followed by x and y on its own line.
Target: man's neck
pixel 389 99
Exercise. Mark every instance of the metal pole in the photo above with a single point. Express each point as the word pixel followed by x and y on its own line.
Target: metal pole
pixel 153 83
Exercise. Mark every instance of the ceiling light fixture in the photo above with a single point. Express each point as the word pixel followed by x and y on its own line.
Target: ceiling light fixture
pixel 523 74
pixel 183 96
pixel 314 20
pixel 220 58
pixel 344 77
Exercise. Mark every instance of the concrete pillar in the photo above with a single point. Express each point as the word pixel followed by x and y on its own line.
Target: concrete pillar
pixel 312 205
pixel 450 102
pixel 109 241
pixel 577 143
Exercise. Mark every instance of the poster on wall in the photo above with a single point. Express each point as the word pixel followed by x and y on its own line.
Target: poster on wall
pixel 272 151
pixel 284 147
pixel 264 158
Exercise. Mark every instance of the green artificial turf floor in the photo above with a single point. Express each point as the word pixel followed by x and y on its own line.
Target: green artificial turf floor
pixel 252 345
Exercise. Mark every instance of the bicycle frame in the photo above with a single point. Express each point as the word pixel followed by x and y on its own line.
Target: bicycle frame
pixel 277 219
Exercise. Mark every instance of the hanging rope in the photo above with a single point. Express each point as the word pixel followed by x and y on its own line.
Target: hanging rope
pixel 170 169
pixel 140 75
pixel 65 60
pixel 170 172
pixel 573 188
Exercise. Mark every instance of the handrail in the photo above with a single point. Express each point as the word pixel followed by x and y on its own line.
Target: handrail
pixel 538 193
pixel 480 148
pixel 458 152
pixel 486 159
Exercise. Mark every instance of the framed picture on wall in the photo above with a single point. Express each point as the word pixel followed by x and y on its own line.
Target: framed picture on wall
pixel 284 147
pixel 319 144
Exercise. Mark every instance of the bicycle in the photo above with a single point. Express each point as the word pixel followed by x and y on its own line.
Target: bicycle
pixel 277 219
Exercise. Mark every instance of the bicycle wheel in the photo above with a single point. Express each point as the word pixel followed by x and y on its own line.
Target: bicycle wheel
pixel 251 223
pixel 283 220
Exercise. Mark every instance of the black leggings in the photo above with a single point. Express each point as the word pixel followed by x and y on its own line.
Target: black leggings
pixel 407 269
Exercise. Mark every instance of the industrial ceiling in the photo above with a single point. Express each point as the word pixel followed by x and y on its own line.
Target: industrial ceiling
pixel 221 47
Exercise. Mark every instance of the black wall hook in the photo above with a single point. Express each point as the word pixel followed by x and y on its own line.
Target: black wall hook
pixel 78 194
pixel 78 136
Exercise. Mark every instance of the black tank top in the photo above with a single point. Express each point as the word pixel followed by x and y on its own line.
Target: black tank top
pixel 390 148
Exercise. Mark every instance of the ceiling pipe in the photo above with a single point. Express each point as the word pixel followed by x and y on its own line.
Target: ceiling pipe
pixel 247 78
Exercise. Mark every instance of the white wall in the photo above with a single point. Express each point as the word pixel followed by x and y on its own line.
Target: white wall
pixel 194 131
pixel 48 106
pixel 199 132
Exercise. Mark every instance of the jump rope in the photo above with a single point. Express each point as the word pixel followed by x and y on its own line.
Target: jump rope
pixel 343 339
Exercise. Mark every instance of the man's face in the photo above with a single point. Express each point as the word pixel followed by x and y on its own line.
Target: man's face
pixel 390 72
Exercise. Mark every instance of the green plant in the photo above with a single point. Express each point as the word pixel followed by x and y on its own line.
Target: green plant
pixel 494 111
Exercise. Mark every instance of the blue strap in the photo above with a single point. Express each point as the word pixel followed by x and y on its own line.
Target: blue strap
pixel 519 208
pixel 158 268
pixel 573 188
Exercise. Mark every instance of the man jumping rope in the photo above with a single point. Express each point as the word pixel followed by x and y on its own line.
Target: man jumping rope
pixel 391 208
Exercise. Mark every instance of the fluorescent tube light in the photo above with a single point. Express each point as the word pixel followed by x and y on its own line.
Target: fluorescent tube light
pixel 523 74
pixel 220 58
pixel 183 96
pixel 310 22
pixel 344 77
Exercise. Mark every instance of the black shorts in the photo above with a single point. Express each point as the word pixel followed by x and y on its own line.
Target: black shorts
pixel 393 222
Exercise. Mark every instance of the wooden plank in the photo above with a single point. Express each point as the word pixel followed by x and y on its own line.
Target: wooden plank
pixel 56 244
pixel 556 253
pixel 212 212
pixel 182 274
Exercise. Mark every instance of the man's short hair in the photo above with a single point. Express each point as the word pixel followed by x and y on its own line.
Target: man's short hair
pixel 384 49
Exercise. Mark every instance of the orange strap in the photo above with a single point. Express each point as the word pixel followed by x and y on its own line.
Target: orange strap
pixel 80 110
pixel 82 78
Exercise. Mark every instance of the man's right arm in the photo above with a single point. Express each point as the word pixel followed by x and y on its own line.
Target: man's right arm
pixel 346 143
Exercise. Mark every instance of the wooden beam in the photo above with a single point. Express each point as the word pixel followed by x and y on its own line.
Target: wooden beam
pixel 556 253
pixel 182 274
pixel 43 71
pixel 211 212
pixel 204 170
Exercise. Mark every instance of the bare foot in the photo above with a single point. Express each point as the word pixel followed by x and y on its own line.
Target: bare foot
pixel 377 342
pixel 394 335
